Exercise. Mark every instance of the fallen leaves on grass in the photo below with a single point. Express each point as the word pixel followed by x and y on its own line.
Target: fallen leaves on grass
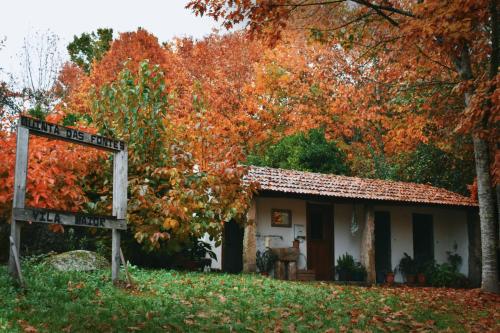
pixel 27 328
pixel 178 301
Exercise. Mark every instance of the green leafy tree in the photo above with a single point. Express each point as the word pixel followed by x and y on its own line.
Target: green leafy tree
pixel 430 165
pixel 88 47
pixel 306 152
pixel 170 196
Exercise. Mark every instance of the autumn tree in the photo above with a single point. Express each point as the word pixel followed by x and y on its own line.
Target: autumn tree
pixel 222 69
pixel 171 196
pixel 406 49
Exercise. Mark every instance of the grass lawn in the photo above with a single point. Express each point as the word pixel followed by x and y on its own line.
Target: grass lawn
pixel 174 301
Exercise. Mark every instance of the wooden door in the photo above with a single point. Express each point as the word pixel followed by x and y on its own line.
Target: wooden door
pixel 320 240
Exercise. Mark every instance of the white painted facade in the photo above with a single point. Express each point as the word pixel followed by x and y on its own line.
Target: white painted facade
pixel 449 228
pixel 449 224
pixel 264 228
pixel 217 250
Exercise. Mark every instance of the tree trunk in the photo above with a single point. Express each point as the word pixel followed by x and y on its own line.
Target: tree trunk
pixel 487 216
pixel 494 64
pixel 498 212
pixel 484 186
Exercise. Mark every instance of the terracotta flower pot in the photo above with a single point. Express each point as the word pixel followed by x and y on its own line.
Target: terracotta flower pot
pixel 421 279
pixel 296 243
pixel 389 278
pixel 410 278
pixel 345 275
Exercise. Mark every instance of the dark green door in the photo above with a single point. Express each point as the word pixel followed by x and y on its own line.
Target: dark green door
pixel 423 238
pixel 232 248
pixel 382 245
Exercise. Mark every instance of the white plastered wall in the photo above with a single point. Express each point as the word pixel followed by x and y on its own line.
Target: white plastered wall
pixel 450 228
pixel 217 250
pixel 345 241
pixel 285 235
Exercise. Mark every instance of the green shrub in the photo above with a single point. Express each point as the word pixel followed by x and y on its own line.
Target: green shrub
pixel 174 256
pixel 265 260
pixel 447 274
pixel 37 239
pixel 407 265
pixel 350 269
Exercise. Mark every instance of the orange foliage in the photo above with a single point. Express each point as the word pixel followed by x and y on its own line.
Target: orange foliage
pixel 55 170
pixel 383 87
pixel 398 59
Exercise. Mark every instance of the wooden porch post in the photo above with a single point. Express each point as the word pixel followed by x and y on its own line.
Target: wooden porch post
pixel 368 244
pixel 250 241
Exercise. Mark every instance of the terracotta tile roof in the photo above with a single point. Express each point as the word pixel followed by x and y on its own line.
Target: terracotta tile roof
pixel 291 181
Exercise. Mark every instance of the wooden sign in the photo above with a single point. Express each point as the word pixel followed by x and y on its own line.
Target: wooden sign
pixel 117 222
pixel 39 215
pixel 43 128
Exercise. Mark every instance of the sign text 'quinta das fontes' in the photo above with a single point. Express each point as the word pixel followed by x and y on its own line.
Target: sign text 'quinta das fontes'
pixel 69 134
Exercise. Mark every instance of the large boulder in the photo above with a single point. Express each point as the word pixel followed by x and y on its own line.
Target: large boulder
pixel 78 260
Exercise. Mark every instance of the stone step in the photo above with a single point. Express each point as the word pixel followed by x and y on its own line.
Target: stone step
pixel 306 275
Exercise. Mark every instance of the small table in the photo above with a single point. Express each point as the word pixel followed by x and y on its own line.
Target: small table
pixel 285 267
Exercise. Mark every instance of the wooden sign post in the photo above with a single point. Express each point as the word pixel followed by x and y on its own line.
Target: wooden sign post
pixel 20 213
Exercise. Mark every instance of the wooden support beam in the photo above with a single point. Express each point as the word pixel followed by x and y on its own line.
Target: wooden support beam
pixel 120 184
pixel 22 145
pixel 280 270
pixel 125 265
pixel 368 244
pixel 59 132
pixel 250 241
pixel 292 270
pixel 115 255
pixel 17 262
pixel 27 125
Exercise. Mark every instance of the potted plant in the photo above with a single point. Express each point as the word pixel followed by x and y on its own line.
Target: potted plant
pixel 345 267
pixel 195 257
pixel 407 268
pixel 421 279
pixel 265 261
pixel 200 252
pixel 423 270
pixel 359 272
pixel 389 277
